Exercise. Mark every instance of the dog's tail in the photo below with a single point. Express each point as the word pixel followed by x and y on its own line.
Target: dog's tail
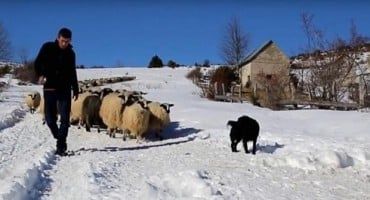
pixel 231 123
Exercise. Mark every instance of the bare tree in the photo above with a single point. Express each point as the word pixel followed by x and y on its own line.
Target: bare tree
pixel 23 55
pixel 274 88
pixel 5 45
pixel 315 37
pixel 332 65
pixel 235 43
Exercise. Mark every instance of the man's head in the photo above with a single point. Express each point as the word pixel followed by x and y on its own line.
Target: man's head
pixel 64 38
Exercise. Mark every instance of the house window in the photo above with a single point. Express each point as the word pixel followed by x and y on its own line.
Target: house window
pixel 268 76
pixel 248 83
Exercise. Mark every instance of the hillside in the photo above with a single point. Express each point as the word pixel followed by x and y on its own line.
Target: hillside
pixel 304 154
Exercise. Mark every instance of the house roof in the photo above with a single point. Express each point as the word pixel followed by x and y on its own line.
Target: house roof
pixel 255 53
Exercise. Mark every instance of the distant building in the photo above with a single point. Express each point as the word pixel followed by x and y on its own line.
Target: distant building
pixel 267 59
pixel 343 72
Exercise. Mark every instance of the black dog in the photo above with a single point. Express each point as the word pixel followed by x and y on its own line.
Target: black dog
pixel 245 128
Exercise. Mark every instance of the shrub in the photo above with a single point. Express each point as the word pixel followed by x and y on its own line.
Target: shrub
pixel 223 75
pixel 6 69
pixel 26 73
pixel 195 74
pixel 255 99
pixel 172 64
pixel 206 63
pixel 274 88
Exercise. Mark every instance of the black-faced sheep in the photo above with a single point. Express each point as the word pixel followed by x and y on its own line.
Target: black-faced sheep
pixel 90 110
pixel 246 129
pixel 135 119
pixel 159 117
pixel 104 92
pixel 33 100
pixel 110 111
pixel 134 93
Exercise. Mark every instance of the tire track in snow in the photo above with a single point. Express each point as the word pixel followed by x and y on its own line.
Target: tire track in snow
pixel 25 153
pixel 10 119
pixel 36 182
pixel 14 106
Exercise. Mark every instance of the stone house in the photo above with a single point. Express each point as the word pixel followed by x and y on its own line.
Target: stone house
pixel 267 59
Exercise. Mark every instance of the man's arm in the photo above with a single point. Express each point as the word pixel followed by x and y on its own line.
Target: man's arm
pixel 74 79
pixel 40 64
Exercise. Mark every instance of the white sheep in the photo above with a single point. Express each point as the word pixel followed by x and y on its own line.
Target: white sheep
pixel 33 100
pixel 135 119
pixel 159 117
pixel 135 93
pixel 111 111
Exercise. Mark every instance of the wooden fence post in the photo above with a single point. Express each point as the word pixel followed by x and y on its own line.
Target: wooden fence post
pixel 361 92
pixel 215 87
pixel 240 90
pixel 223 89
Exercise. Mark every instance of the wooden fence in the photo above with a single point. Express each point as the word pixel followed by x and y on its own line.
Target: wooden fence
pixel 296 104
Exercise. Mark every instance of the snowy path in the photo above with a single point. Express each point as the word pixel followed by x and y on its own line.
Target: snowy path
pixel 162 170
pixel 27 149
pixel 105 168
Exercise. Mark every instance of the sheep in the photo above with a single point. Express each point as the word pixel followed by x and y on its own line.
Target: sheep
pixel 76 108
pixel 95 89
pixel 83 88
pixel 104 92
pixel 111 111
pixel 41 110
pixel 135 119
pixel 246 129
pixel 159 117
pixel 90 110
pixel 33 100
pixel 130 92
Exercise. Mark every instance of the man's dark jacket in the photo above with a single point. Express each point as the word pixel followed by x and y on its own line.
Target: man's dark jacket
pixel 58 66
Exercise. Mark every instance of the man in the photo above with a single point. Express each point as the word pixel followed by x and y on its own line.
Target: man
pixel 55 67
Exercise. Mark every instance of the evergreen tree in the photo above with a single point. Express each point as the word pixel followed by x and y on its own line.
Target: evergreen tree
pixel 156 62
pixel 206 63
pixel 172 64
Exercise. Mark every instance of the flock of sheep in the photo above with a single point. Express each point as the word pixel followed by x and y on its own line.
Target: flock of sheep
pixel 128 112
pixel 117 111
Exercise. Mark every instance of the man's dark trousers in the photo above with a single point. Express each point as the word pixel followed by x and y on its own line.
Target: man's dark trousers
pixel 63 99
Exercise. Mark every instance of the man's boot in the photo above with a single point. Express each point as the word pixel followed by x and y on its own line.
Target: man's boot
pixel 61 147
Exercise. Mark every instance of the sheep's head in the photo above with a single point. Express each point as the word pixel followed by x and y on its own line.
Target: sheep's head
pixel 120 91
pixel 143 103
pixel 33 95
pixel 139 93
pixel 80 90
pixel 123 98
pixel 104 92
pixel 127 99
pixel 166 106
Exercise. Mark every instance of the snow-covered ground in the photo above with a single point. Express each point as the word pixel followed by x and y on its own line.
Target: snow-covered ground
pixel 305 154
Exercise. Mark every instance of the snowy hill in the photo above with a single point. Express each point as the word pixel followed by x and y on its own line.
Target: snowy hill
pixel 10 64
pixel 304 154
